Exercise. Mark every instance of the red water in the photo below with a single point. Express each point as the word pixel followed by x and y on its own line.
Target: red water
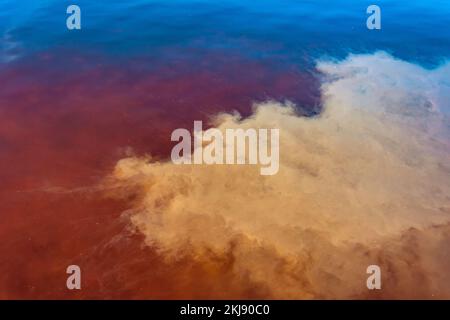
pixel 64 123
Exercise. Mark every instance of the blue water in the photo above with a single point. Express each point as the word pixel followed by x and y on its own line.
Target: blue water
pixel 285 31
